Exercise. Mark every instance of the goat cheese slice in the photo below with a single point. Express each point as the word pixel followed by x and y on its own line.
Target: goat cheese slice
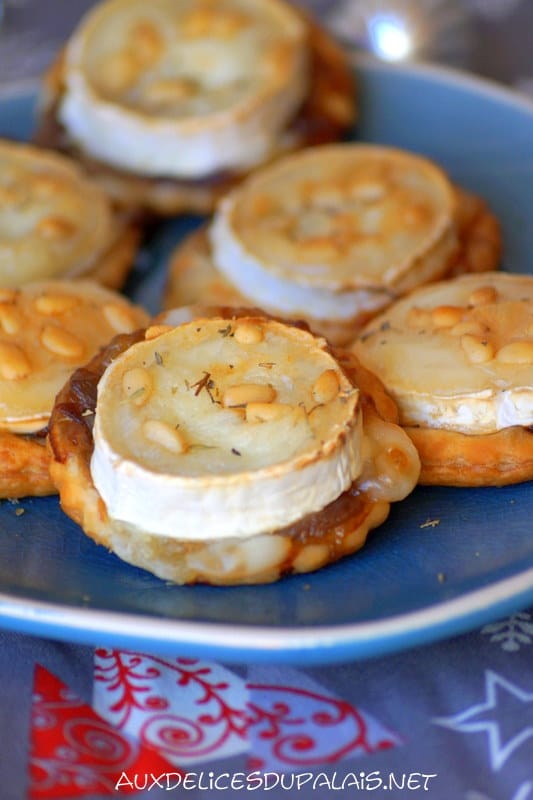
pixel 184 88
pixel 222 428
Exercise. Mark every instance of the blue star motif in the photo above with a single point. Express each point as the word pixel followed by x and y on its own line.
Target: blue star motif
pixel 477 719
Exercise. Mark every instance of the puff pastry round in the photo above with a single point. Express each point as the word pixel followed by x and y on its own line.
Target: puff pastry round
pixel 47 329
pixel 457 357
pixel 333 235
pixel 228 449
pixel 56 223
pixel 169 104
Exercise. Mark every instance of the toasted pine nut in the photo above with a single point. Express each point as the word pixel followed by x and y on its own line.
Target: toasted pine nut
pixel 45 184
pixel 147 43
pixel 326 387
pixel 8 295
pixel 119 317
pixel 9 319
pixel 516 353
pixel 170 90
pixel 55 228
pixel 153 331
pixel 137 385
pixel 266 412
pixel 119 72
pixel 476 349
pixel 248 333
pixel 61 342
pixel 419 318
pixel 55 303
pixel 243 393
pixel 14 363
pixel 483 295
pixel 446 316
pixel 165 436
pixel 8 194
pixel 416 215
pixel 468 326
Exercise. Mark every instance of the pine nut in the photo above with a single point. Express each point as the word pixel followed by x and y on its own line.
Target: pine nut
pixel 419 318
pixel 8 195
pixel 55 228
pixel 266 412
pixel 154 331
pixel 9 319
pixel 147 43
pixel 368 191
pixel 476 349
pixel 326 387
pixel 8 295
pixel 14 362
pixel 483 295
pixel 61 342
pixel 243 393
pixel 119 72
pixel 165 436
pixel 51 304
pixel 45 185
pixel 137 385
pixel 119 318
pixel 468 326
pixel 170 91
pixel 446 316
pixel 516 353
pixel 249 333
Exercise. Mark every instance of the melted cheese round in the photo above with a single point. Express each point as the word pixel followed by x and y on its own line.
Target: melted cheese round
pixel 53 220
pixel 224 428
pixel 184 88
pixel 458 354
pixel 336 229
pixel 47 330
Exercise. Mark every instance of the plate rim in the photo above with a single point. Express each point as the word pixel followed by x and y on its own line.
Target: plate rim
pixel 297 643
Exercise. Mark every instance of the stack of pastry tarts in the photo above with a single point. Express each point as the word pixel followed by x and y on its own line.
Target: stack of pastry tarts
pixel 265 421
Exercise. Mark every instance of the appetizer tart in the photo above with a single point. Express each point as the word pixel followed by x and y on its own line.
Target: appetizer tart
pixel 333 235
pixel 170 102
pixel 457 357
pixel 227 450
pixel 56 222
pixel 47 329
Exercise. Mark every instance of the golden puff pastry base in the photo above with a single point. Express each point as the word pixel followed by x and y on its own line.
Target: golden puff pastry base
pixel 299 548
pixel 193 278
pixel 328 113
pixel 24 466
pixel 450 458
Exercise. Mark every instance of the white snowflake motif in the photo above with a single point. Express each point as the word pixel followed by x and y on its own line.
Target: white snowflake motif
pixel 512 633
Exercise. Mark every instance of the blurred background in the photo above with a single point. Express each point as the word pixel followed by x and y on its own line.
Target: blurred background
pixel 493 38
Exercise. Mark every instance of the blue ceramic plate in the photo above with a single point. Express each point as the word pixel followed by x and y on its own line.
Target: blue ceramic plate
pixel 446 560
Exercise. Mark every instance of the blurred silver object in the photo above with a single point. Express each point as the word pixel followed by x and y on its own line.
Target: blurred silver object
pixel 402 30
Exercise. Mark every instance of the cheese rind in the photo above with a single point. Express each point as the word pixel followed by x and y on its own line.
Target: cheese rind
pixel 234 477
pixel 184 89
